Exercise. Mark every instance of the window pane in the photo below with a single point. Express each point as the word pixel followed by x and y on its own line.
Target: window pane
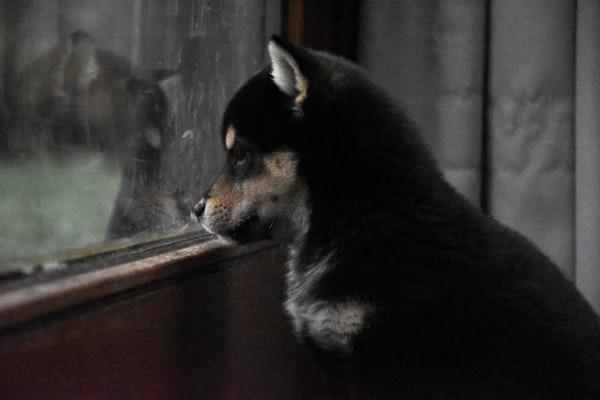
pixel 109 115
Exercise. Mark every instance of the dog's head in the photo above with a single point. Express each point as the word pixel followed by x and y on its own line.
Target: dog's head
pixel 260 192
pixel 310 141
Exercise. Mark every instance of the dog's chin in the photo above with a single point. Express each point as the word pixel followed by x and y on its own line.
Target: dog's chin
pixel 248 231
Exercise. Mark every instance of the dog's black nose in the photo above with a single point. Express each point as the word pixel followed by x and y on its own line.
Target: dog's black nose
pixel 199 208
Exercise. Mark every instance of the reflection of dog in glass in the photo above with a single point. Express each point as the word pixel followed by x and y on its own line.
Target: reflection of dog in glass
pixel 392 275
pixel 74 96
pixel 150 198
pixel 79 98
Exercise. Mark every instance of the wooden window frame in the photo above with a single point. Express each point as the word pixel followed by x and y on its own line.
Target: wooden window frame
pixel 203 321
pixel 329 25
pixel 29 299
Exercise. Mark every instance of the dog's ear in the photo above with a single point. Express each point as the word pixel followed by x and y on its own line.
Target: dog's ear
pixel 287 70
pixel 82 52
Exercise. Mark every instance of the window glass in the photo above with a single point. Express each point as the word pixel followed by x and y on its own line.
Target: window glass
pixel 109 117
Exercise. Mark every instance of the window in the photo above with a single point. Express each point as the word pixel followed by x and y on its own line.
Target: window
pixel 110 113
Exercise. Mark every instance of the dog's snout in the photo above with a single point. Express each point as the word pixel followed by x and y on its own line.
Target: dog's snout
pixel 198 209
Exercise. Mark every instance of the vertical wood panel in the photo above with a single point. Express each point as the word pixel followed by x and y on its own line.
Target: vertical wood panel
pixel 295 21
pixel 330 25
pixel 587 151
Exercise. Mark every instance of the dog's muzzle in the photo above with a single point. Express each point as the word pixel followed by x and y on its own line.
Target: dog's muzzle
pixel 198 210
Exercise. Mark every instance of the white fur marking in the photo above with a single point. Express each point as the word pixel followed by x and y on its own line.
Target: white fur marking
pixel 286 73
pixel 332 325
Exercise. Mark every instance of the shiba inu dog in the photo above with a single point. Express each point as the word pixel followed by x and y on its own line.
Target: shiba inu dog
pixel 406 289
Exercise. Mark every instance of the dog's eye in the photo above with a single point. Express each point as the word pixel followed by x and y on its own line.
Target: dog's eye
pixel 240 157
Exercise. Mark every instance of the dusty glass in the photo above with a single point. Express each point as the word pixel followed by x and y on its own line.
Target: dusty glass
pixel 109 118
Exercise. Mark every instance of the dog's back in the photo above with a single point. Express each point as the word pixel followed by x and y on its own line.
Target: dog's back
pixel 473 310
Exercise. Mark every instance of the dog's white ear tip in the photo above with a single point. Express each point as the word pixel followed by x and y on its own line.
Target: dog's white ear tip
pixel 282 65
pixel 276 51
pixel 273 48
pixel 275 39
pixel 286 70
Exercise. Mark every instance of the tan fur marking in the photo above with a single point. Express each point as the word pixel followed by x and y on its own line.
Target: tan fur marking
pixel 222 196
pixel 281 164
pixel 302 85
pixel 279 175
pixel 230 137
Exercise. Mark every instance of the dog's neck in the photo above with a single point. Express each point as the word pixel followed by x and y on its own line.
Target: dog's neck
pixel 337 223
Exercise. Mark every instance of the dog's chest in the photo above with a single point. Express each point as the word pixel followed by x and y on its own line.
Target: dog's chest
pixel 333 325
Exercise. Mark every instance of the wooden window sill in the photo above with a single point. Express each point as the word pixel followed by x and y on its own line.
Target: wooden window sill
pixel 201 321
pixel 32 300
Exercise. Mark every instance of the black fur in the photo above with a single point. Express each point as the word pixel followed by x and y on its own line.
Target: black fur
pixel 465 307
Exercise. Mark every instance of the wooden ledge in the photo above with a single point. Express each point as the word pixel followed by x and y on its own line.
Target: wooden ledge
pixel 22 304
